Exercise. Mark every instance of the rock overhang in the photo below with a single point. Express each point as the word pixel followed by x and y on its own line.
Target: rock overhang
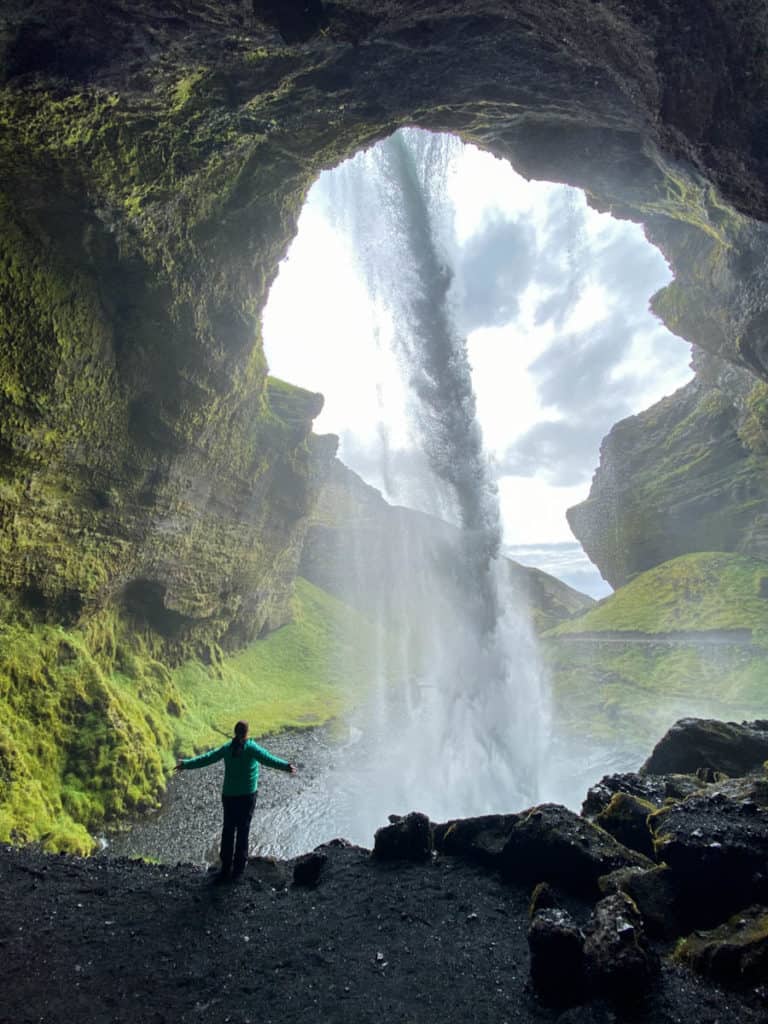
pixel 155 162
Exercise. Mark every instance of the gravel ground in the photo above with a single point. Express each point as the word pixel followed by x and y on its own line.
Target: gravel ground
pixel 187 827
pixel 105 941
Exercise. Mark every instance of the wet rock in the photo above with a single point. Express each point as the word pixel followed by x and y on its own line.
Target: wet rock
pixel 543 897
pixel 656 789
pixel 693 744
pixel 618 960
pixel 552 844
pixel 557 957
pixel 736 953
pixel 717 850
pixel 307 869
pixel 482 839
pixel 408 838
pixel 655 895
pixel 626 818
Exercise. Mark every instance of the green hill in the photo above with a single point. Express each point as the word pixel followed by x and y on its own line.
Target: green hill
pixel 711 590
pixel 686 638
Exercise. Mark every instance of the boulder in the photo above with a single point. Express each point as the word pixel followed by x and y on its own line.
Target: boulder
pixel 626 819
pixel 618 960
pixel 552 844
pixel 482 839
pixel 735 954
pixel 307 869
pixel 656 789
pixel 655 895
pixel 716 847
pixel 407 838
pixel 557 957
pixel 696 744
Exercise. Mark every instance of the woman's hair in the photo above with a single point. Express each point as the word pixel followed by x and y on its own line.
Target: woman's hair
pixel 241 735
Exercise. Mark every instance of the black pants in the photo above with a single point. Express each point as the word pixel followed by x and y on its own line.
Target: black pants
pixel 238 811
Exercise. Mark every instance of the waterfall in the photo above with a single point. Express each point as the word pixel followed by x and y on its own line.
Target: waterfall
pixel 459 722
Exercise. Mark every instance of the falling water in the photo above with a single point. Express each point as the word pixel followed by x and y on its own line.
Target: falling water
pixel 458 725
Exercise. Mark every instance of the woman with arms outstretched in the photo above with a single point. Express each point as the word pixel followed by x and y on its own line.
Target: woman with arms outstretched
pixel 242 758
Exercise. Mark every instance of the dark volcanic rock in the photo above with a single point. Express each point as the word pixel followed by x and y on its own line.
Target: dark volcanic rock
pixel 655 789
pixel 626 818
pixel 655 894
pixel 307 869
pixel 482 839
pixel 618 960
pixel 557 957
pixel 407 838
pixel 717 849
pixel 695 744
pixel 736 953
pixel 550 843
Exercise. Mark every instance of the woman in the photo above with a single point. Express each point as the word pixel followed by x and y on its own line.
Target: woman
pixel 241 780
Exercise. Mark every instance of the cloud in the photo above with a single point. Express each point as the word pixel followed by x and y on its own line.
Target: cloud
pixel 564 451
pixel 574 372
pixel 576 378
pixel 494 268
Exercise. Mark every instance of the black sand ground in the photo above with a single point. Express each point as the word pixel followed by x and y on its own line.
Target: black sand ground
pixel 120 942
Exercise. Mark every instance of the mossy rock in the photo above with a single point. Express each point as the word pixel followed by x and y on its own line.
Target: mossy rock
pixel 626 818
pixel 735 953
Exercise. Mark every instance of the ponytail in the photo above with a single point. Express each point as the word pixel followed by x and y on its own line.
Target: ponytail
pixel 238 740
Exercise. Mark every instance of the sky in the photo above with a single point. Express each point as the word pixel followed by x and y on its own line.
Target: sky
pixel 552 298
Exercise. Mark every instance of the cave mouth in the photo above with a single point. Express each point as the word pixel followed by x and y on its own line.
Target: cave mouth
pixel 550 294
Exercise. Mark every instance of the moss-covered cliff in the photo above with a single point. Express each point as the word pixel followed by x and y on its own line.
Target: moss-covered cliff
pixel 689 474
pixel 153 158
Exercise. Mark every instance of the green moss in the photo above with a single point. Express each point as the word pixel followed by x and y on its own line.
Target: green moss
pixel 754 429
pixel 701 591
pixel 304 674
pixel 89 719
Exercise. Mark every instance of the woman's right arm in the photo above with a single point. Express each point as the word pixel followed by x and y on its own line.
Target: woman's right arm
pixel 201 760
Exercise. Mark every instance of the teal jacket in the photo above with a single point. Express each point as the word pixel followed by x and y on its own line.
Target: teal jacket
pixel 241 773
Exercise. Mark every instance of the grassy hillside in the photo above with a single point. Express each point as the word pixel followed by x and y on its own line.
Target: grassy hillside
pixel 703 591
pixel 90 721
pixel 626 692
pixel 301 675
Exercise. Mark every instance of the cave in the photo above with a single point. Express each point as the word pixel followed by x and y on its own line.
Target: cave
pixel 154 169
pixel 156 481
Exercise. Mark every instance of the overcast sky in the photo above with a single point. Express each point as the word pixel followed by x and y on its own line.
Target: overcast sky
pixel 553 299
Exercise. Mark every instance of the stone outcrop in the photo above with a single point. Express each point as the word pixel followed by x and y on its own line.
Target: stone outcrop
pixel 405 838
pixel 710 747
pixel 383 559
pixel 688 474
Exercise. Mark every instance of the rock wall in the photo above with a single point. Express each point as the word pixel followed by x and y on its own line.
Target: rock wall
pixel 153 163
pixel 688 474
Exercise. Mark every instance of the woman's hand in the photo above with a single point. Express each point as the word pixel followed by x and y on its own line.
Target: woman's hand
pixel 179 765
pixel 292 769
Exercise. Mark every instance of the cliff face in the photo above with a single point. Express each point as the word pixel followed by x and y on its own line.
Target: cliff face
pixel 153 164
pixel 688 474
pixel 153 160
pixel 385 560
